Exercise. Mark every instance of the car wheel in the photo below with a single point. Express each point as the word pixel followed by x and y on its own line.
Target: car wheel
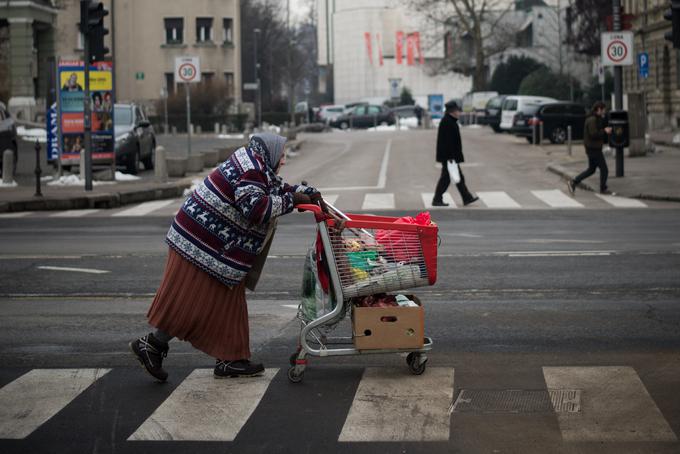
pixel 558 135
pixel 133 164
pixel 150 161
pixel 344 125
pixel 530 139
pixel 496 129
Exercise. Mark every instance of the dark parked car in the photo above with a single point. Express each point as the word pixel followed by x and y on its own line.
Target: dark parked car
pixel 556 117
pixel 8 136
pixel 135 138
pixel 492 113
pixel 364 116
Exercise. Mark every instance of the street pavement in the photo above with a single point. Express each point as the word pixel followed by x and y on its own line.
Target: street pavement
pixel 555 328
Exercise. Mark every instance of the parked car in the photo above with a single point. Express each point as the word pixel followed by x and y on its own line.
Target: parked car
pixel 8 136
pixel 407 115
pixel 350 107
pixel 492 113
pixel 330 112
pixel 135 138
pixel 476 101
pixel 512 105
pixel 364 116
pixel 521 122
pixel 556 118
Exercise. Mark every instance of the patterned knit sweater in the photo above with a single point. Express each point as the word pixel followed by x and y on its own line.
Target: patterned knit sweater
pixel 222 226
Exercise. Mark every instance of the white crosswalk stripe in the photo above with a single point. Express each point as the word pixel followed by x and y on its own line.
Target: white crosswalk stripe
pixel 616 406
pixel 144 208
pixel 205 409
pixel 381 201
pixel 427 201
pixel 330 198
pixel 393 405
pixel 30 400
pixel 19 214
pixel 557 199
pixel 73 213
pixel 497 199
pixel 622 202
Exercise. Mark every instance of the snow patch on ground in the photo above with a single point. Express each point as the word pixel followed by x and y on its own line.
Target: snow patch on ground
pixel 74 180
pixel 120 176
pixel 230 136
pixel 13 184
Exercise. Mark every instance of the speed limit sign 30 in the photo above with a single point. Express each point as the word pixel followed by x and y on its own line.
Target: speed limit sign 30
pixel 617 48
pixel 187 69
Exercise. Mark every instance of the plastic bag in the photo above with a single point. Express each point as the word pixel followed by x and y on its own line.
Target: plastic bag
pixel 397 243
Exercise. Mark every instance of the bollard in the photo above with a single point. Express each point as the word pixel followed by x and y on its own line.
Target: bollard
pixel 534 134
pixel 540 132
pixel 7 167
pixel 351 121
pixel 38 170
pixel 217 128
pixel 82 165
pixel 174 130
pixel 199 130
pixel 160 165
pixel 569 139
pixel 375 121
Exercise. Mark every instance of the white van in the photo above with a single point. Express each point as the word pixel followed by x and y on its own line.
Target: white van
pixel 514 104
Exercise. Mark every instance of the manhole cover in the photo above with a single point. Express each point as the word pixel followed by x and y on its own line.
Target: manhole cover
pixel 517 401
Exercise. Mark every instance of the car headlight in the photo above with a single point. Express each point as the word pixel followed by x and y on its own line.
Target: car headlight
pixel 123 137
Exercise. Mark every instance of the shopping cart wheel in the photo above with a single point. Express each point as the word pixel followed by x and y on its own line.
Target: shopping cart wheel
pixel 416 363
pixel 295 377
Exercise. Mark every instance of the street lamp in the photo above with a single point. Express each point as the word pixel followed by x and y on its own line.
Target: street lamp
pixel 258 96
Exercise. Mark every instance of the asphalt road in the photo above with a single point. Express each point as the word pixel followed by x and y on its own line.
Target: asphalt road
pixel 528 301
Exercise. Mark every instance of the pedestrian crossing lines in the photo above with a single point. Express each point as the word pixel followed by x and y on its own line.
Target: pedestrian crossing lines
pixel 607 404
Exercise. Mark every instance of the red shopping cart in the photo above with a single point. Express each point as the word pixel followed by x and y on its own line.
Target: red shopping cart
pixel 359 256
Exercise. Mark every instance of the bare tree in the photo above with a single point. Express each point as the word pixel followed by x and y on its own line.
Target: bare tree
pixel 482 25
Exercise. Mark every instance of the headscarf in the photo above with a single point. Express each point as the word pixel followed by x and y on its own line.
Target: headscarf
pixel 273 145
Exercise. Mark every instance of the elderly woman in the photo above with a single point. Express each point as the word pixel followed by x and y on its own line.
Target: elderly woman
pixel 218 242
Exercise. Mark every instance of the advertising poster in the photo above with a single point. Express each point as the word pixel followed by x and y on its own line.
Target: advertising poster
pixel 435 104
pixel 71 80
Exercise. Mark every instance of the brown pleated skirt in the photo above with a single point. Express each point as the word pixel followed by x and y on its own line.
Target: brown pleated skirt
pixel 195 307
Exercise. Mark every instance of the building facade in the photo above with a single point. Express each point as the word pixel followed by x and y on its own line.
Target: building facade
pixel 368 50
pixel 147 37
pixel 660 91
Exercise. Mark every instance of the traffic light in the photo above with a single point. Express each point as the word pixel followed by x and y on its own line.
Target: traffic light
pixel 673 15
pixel 92 14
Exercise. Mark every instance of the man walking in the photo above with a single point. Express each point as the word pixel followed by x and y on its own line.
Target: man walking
pixel 594 135
pixel 450 154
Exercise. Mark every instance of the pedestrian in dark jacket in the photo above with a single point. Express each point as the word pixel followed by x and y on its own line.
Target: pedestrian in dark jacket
pixel 594 136
pixel 450 153
pixel 218 243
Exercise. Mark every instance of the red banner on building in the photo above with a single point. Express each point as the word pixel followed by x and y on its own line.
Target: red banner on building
pixel 421 58
pixel 379 46
pixel 369 48
pixel 410 50
pixel 399 51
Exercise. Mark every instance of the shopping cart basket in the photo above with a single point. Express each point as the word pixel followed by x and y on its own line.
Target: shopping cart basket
pixel 364 255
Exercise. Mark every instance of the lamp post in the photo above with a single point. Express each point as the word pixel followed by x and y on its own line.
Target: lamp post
pixel 258 94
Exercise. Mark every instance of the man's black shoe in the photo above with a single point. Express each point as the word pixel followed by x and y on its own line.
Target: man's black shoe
pixel 240 368
pixel 150 353
pixel 571 187
pixel 439 203
pixel 472 200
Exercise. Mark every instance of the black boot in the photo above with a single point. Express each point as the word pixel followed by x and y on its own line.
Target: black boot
pixel 240 368
pixel 150 352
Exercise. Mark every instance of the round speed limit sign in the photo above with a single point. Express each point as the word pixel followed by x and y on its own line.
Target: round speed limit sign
pixel 617 48
pixel 187 69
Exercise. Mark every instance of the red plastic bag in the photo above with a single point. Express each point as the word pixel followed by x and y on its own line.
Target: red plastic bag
pixel 398 244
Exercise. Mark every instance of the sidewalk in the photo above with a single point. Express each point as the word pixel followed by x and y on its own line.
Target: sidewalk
pixel 652 177
pixel 105 194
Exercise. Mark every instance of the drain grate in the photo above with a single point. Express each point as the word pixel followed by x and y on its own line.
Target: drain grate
pixel 517 401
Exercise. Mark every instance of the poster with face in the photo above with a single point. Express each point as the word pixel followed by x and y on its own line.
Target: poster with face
pixel 70 118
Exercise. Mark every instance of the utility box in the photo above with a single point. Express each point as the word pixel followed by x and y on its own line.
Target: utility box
pixel 620 135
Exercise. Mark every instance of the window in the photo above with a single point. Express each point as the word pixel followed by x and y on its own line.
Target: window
pixel 174 30
pixel 229 82
pixel 228 30
pixel 575 109
pixel 170 83
pixel 359 110
pixel 204 29
pixel 207 77
pixel 80 43
pixel 373 110
pixel 677 69
pixel 510 104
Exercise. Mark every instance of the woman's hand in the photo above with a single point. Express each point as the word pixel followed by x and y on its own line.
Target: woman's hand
pixel 301 199
pixel 318 200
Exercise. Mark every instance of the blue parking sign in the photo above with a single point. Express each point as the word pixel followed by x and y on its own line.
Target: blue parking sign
pixel 643 64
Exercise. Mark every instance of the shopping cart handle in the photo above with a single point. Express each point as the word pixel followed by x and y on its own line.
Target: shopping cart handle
pixel 319 215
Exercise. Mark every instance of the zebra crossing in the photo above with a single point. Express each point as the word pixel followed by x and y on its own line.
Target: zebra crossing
pixel 388 404
pixel 378 201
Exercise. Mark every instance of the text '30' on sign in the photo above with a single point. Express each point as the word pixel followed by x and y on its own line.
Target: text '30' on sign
pixel 187 69
pixel 617 48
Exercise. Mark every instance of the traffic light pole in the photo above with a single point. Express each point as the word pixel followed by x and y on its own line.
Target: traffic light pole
pixel 618 83
pixel 87 118
pixel 186 86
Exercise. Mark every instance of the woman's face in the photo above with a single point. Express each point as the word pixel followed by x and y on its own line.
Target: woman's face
pixel 282 162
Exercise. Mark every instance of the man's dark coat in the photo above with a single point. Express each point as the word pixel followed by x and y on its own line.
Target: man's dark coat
pixel 449 145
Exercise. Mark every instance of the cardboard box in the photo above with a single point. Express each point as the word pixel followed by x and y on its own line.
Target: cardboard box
pixel 388 327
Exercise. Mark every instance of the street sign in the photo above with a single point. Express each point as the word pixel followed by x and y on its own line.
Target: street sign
pixel 187 69
pixel 617 48
pixel 250 86
pixel 643 64
pixel 600 73
pixel 139 76
pixel 394 87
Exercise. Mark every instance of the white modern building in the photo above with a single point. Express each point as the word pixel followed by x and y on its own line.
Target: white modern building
pixel 370 49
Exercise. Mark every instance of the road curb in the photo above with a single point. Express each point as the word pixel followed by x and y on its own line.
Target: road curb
pixel 101 200
pixel 567 174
